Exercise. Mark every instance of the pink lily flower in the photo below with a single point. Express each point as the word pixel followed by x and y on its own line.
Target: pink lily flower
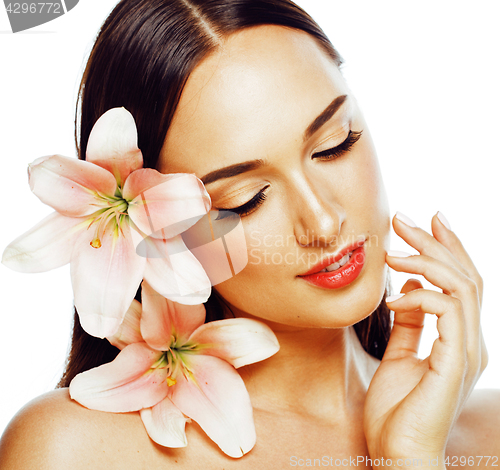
pixel 104 207
pixel 172 366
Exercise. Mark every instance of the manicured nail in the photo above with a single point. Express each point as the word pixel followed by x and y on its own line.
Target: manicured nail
pixel 444 220
pixel 405 219
pixel 398 254
pixel 392 298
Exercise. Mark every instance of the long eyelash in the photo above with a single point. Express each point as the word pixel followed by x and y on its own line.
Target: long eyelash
pixel 339 150
pixel 251 205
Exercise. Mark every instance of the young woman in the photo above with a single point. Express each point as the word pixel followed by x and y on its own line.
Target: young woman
pixel 248 96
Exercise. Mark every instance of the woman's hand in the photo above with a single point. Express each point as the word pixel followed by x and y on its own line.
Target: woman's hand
pixel 412 404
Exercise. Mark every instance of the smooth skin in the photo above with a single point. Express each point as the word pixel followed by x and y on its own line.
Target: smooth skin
pixel 322 394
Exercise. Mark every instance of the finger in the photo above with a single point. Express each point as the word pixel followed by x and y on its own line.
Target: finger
pixel 437 272
pixel 452 282
pixel 444 235
pixel 460 287
pixel 407 328
pixel 448 357
pixel 442 384
pixel 411 284
pixel 424 242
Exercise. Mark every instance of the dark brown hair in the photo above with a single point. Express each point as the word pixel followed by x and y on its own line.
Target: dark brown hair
pixel 141 60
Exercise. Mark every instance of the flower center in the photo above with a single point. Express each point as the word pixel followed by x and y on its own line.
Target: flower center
pixel 174 362
pixel 112 213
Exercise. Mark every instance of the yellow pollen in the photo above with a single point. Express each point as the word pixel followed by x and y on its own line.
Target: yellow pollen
pixel 171 381
pixel 95 243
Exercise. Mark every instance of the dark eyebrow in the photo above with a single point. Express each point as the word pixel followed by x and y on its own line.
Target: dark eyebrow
pixel 325 116
pixel 239 168
pixel 232 170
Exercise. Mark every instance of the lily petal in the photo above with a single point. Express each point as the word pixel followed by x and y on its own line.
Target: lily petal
pixel 239 341
pixel 165 424
pixel 218 402
pixel 161 319
pixel 113 144
pixel 105 280
pixel 48 245
pixel 165 205
pixel 69 185
pixel 123 385
pixel 130 329
pixel 174 272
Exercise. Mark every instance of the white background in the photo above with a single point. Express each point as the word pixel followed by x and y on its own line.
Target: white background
pixel 426 76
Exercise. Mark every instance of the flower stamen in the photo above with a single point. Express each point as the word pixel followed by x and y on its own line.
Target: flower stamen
pixel 115 214
pixel 171 381
pixel 95 243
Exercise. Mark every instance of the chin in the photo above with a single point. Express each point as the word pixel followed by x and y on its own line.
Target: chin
pixel 348 305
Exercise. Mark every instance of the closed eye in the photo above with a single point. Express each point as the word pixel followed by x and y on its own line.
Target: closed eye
pixel 339 150
pixel 249 206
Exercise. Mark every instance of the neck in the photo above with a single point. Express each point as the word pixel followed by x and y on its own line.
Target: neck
pixel 321 373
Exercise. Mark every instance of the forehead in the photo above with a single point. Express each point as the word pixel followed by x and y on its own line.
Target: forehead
pixel 251 98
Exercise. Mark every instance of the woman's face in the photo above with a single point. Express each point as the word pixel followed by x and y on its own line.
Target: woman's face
pixel 273 95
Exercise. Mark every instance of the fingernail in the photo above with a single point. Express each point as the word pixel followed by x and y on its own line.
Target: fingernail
pixel 444 220
pixel 398 254
pixel 405 219
pixel 392 298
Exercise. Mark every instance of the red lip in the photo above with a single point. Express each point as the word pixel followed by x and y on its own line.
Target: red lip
pixel 333 258
pixel 342 276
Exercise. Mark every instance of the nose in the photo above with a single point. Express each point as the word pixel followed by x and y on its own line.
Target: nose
pixel 318 216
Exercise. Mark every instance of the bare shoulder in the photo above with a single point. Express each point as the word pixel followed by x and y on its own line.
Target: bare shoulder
pixel 477 431
pixel 54 432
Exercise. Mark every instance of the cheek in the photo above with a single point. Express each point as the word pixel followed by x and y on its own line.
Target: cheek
pixel 370 207
pixel 270 262
pixel 363 193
